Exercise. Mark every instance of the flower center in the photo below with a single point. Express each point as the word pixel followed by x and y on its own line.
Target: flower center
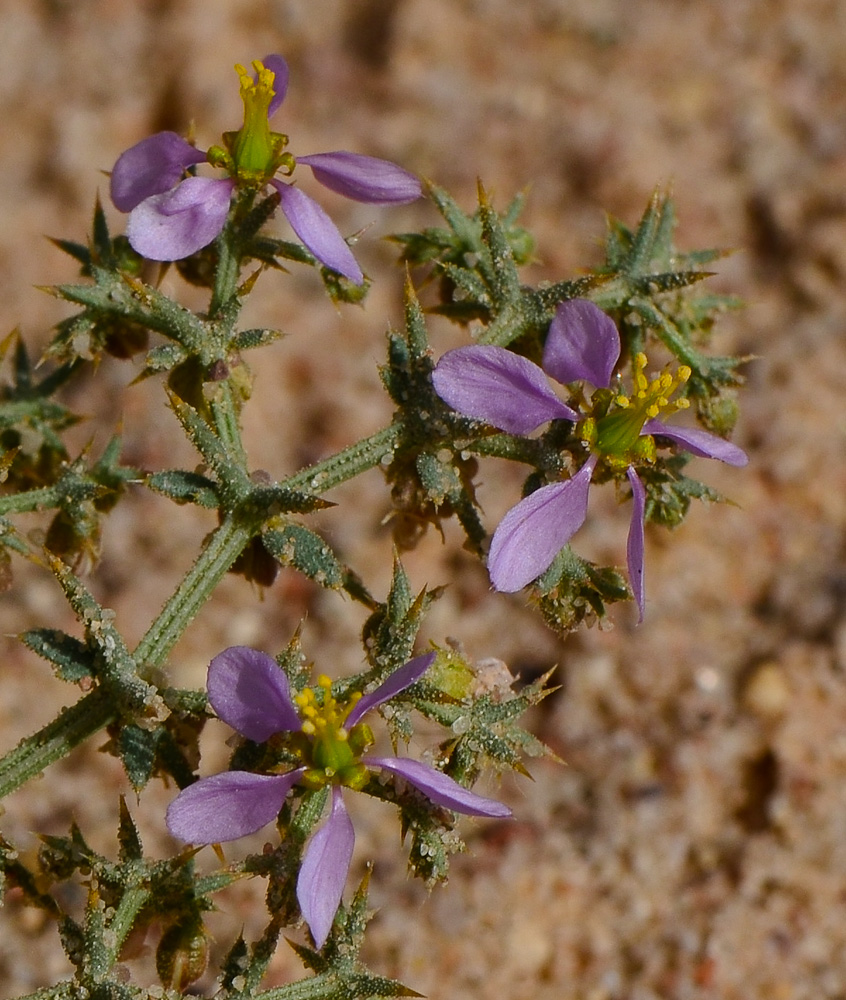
pixel 253 154
pixel 333 751
pixel 617 434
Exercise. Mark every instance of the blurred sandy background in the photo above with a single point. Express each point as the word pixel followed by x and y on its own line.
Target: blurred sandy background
pixel 695 844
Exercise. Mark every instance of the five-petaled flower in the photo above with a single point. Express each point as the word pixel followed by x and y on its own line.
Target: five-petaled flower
pixel 173 215
pixel 249 691
pixel 504 389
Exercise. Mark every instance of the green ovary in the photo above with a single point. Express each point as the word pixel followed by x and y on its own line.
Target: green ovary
pixel 616 435
pixel 256 151
pixel 334 751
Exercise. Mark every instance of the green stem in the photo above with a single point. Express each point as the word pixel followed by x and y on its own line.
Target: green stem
pixel 121 924
pixel 348 463
pixel 227 271
pixel 225 414
pixel 224 547
pixel 75 724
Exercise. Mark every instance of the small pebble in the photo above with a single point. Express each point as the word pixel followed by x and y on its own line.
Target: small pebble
pixel 767 692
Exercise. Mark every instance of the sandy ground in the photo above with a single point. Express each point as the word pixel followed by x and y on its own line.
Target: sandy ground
pixel 695 844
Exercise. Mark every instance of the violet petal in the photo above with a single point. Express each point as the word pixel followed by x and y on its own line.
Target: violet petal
pixel 363 178
pixel 583 343
pixel 228 805
pixel 317 231
pixel 174 225
pixel 397 682
pixel 440 788
pixel 324 870
pixel 279 67
pixel 498 386
pixel 152 166
pixel 250 692
pixel 634 545
pixel 531 534
pixel 698 442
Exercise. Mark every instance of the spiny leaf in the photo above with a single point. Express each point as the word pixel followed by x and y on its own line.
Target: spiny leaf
pixel 72 659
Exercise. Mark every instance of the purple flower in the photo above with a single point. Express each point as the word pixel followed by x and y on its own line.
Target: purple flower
pixel 173 216
pixel 495 385
pixel 250 692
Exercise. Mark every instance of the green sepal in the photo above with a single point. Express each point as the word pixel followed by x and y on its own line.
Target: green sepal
pixel 573 590
pixel 300 547
pixel 246 340
pixel 185 487
pixel 138 748
pixel 270 501
pixel 129 840
pixel 669 491
pixel 73 660
pixel 235 963
pixel 162 358
pixel 341 289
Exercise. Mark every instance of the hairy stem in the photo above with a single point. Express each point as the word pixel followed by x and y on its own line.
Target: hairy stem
pixel 223 548
pixel 56 740
pixel 347 464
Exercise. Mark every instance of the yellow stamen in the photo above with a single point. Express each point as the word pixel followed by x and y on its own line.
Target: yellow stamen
pixel 618 431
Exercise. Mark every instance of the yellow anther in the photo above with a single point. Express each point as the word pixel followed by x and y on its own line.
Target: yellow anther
pixel 263 82
pixel 309 711
pixel 324 682
pixel 682 404
pixel 623 402
pixel 640 381
pixel 309 728
pixel 342 734
pixel 684 372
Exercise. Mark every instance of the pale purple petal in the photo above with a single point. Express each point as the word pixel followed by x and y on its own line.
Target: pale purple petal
pixel 250 691
pixel 583 343
pixel 150 167
pixel 496 385
pixel 440 788
pixel 277 65
pixel 363 178
pixel 698 442
pixel 531 534
pixel 397 682
pixel 228 805
pixel 174 225
pixel 318 231
pixel 324 871
pixel 634 545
